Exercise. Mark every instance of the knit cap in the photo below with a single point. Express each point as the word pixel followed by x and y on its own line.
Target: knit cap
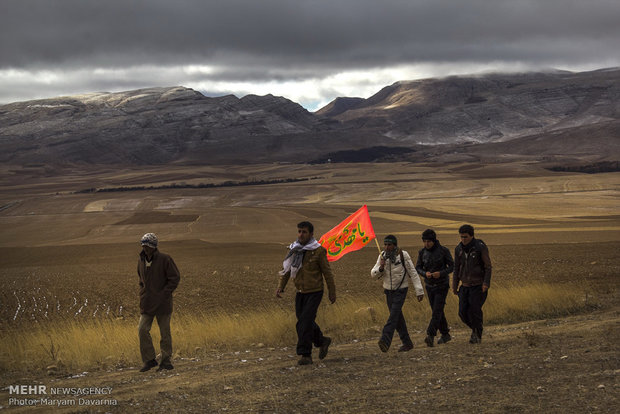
pixel 429 234
pixel 150 240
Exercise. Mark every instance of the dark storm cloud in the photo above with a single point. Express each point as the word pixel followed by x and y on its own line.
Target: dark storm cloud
pixel 301 47
pixel 335 33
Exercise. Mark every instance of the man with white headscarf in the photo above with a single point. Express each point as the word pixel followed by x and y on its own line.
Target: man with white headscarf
pixel 306 263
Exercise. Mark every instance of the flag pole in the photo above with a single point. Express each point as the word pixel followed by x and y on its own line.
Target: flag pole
pixel 378 245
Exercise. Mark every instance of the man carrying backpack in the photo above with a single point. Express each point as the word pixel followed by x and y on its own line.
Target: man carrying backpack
pixel 472 269
pixel 434 265
pixel 394 265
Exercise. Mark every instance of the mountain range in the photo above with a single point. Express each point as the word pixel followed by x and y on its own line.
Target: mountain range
pixel 552 115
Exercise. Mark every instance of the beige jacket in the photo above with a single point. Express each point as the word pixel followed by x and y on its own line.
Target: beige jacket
pixel 393 273
pixel 314 269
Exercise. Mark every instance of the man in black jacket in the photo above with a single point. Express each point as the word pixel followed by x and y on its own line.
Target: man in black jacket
pixel 472 269
pixel 434 265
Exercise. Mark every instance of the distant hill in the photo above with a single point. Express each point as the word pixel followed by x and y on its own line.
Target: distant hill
pixel 340 105
pixel 487 108
pixel 146 126
pixel 586 148
pixel 560 112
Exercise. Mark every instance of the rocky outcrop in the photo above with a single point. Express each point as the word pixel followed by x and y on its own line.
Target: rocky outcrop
pixel 558 111
pixel 487 108
pixel 340 105
pixel 146 126
pixel 598 141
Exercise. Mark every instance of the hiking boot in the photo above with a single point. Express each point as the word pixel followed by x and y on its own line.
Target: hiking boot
pixel 475 339
pixel 305 360
pixel 383 346
pixel 430 341
pixel 165 365
pixel 324 347
pixel 444 338
pixel 148 365
pixel 405 348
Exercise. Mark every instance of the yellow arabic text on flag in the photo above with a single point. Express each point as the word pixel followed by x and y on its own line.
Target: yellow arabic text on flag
pixel 350 235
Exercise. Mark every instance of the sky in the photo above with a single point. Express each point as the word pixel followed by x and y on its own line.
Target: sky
pixel 309 51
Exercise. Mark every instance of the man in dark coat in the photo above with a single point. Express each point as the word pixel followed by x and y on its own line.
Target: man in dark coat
pixel 472 269
pixel 159 277
pixel 434 265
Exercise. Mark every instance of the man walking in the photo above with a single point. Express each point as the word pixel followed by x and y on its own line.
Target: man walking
pixel 472 269
pixel 393 265
pixel 306 263
pixel 159 277
pixel 434 265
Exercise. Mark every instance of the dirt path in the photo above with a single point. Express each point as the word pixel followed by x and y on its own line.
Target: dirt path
pixel 559 365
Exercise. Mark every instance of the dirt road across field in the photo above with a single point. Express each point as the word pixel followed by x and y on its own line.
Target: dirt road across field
pixel 558 366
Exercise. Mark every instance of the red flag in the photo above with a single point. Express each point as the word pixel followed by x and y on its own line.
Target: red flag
pixel 352 234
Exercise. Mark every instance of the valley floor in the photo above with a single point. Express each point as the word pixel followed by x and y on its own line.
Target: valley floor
pixel 558 365
pixel 63 251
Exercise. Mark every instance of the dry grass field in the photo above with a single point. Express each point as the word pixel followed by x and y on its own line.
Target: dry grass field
pixel 69 294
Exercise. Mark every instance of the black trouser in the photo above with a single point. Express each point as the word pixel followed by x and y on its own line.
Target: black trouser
pixel 308 332
pixel 437 299
pixel 396 321
pixel 471 300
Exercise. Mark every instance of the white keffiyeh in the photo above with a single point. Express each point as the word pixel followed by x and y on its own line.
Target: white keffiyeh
pixel 293 260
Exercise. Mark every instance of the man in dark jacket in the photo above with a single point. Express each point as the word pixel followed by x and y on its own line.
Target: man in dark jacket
pixel 306 263
pixel 159 277
pixel 434 265
pixel 472 269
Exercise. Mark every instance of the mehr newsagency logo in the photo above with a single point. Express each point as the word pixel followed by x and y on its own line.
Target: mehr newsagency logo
pixel 42 395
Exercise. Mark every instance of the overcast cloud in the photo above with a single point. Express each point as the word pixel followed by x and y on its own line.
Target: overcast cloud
pixel 310 51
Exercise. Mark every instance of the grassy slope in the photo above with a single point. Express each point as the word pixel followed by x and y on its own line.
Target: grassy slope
pixel 541 226
pixel 557 365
